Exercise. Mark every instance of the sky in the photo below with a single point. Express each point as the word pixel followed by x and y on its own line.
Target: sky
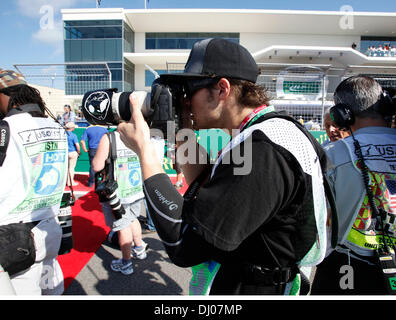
pixel 25 40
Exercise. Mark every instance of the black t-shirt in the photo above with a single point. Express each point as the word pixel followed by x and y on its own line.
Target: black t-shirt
pixel 234 219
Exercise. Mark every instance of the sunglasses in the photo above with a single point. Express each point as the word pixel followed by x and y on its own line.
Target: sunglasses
pixel 192 86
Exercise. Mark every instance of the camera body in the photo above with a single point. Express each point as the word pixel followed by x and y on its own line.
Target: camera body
pixel 109 107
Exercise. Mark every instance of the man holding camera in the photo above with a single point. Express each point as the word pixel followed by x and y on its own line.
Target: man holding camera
pixel 33 169
pixel 257 223
pixel 363 176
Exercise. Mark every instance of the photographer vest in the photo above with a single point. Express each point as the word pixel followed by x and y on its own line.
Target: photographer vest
pixel 364 235
pixel 37 154
pixel 127 170
pixel 283 131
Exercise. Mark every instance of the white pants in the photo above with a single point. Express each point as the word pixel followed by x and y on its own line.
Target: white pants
pixel 73 157
pixel 45 275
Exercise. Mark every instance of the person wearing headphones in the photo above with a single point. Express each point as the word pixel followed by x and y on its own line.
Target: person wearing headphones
pixel 363 177
pixel 332 130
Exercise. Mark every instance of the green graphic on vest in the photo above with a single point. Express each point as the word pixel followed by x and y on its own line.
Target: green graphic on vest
pixel 48 176
pixel 202 278
pixel 301 87
pixel 129 176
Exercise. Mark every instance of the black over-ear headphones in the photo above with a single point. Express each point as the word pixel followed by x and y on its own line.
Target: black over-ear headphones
pixel 343 116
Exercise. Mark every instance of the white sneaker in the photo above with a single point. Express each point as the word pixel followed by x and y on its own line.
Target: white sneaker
pixel 139 252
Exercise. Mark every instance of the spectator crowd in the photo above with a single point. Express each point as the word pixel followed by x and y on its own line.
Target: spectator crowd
pixel 381 51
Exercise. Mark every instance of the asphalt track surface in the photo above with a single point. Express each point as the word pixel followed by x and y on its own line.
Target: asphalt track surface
pixel 155 275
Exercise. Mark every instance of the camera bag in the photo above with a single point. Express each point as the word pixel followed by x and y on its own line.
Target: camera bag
pixel 17 250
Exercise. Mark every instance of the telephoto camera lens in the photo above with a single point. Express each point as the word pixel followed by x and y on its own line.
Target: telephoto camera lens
pixel 109 107
pixel 162 105
pixel 107 192
pixel 114 202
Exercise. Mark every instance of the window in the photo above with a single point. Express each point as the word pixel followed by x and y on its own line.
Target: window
pixel 81 78
pixel 93 40
pixel 95 29
pixel 85 23
pixel 179 40
pixel 93 50
pixel 129 76
pixel 129 45
pixel 97 41
pixel 93 32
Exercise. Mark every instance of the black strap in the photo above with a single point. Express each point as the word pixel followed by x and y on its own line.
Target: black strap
pixel 110 161
pixel 258 275
pixel 377 213
pixel 4 140
pixel 113 146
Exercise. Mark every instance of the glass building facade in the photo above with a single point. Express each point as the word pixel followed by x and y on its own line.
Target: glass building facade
pixel 93 48
pixel 180 40
pixel 97 41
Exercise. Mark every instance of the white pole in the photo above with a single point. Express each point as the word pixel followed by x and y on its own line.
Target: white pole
pixel 155 73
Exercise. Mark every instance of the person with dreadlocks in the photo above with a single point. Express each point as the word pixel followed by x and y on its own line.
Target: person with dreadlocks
pixel 33 171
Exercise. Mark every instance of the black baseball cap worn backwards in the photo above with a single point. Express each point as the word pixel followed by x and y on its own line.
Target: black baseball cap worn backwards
pixel 218 57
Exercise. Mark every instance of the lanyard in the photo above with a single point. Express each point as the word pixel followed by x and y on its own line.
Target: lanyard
pixel 256 113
